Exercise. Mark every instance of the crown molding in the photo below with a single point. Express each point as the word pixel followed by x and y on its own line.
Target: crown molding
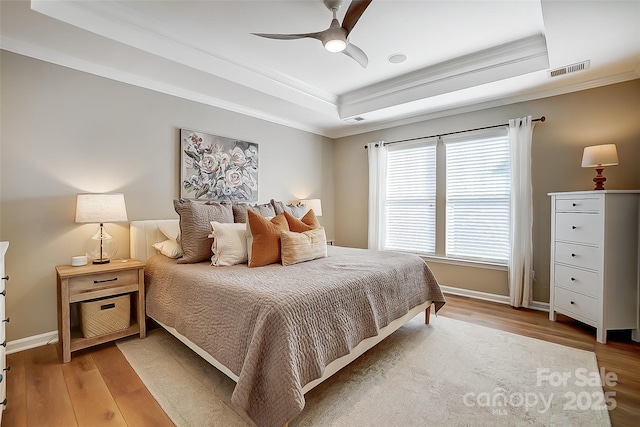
pixel 124 23
pixel 64 60
pixel 498 63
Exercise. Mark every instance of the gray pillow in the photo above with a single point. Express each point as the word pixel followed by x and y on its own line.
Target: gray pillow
pixel 265 210
pixel 296 210
pixel 195 227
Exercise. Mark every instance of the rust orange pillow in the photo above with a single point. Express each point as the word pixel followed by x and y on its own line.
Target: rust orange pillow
pixel 306 223
pixel 265 238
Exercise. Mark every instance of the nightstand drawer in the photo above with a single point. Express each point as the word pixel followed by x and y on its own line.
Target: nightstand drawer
pixel 581 305
pixel 578 255
pixel 112 279
pixel 586 282
pixel 579 227
pixel 578 205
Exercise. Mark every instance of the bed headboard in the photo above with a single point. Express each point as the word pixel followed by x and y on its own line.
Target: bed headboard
pixel 143 235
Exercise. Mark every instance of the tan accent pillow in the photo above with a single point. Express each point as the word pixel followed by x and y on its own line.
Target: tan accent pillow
pixel 300 247
pixel 306 223
pixel 195 227
pixel 265 238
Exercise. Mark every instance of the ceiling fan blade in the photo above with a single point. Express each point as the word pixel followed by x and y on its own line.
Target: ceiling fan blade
pixel 355 11
pixel 289 36
pixel 356 53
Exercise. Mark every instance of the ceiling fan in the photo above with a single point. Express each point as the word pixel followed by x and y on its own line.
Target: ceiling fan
pixel 336 37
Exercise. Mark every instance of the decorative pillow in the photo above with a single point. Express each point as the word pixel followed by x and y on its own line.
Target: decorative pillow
pixel 229 243
pixel 171 229
pixel 195 227
pixel 264 209
pixel 306 223
pixel 295 210
pixel 169 248
pixel 240 212
pixel 263 238
pixel 301 247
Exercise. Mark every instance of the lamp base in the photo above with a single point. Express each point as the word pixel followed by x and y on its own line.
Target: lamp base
pixel 101 261
pixel 599 179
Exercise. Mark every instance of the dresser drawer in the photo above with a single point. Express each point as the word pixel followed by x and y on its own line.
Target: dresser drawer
pixel 581 305
pixel 579 227
pixel 586 282
pixel 578 205
pixel 97 281
pixel 578 255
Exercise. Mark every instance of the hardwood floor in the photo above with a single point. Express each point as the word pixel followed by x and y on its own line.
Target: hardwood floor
pixel 98 387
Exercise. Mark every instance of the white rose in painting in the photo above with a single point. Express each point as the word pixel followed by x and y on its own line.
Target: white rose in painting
pixel 237 157
pixel 208 163
pixel 233 178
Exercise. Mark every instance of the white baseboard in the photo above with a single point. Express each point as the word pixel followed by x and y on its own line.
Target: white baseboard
pixel 32 342
pixel 502 299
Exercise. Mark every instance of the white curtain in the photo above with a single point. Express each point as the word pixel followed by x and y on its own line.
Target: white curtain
pixel 377 185
pixel 521 259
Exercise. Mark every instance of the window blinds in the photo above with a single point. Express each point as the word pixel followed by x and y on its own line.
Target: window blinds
pixel 410 205
pixel 478 181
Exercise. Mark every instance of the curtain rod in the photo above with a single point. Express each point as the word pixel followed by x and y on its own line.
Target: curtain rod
pixel 541 119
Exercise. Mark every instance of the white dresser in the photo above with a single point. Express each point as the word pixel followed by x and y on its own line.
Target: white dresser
pixel 594 259
pixel 3 337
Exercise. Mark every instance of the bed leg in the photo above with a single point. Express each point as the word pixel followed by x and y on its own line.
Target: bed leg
pixel 427 314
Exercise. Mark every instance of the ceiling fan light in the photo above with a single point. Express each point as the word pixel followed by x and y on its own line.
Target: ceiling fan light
pixel 335 45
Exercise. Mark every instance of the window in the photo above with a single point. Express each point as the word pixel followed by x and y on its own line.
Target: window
pixel 478 185
pixel 410 205
pixel 474 221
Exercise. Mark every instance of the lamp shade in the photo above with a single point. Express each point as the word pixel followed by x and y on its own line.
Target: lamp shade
pixel 599 155
pixel 314 204
pixel 99 208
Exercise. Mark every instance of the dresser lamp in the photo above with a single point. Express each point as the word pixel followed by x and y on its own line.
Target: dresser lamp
pixel 101 208
pixel 599 156
pixel 314 204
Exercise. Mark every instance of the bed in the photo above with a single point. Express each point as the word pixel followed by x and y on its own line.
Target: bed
pixel 278 331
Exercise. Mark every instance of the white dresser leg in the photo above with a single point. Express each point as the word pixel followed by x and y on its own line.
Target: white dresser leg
pixel 601 335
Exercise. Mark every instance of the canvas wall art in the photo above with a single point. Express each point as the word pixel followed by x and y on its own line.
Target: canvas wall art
pixel 217 168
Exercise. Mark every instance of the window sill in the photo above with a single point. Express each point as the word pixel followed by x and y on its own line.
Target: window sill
pixel 464 263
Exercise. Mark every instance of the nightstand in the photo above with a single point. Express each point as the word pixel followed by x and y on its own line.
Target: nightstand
pixel 91 282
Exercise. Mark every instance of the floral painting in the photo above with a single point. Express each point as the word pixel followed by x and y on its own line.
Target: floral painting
pixel 217 168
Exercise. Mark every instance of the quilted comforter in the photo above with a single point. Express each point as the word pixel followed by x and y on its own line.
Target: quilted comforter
pixel 278 327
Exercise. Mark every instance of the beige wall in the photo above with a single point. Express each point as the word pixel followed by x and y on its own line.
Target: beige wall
pixel 66 132
pixel 609 114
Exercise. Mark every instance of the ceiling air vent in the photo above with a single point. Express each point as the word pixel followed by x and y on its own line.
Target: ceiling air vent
pixel 569 69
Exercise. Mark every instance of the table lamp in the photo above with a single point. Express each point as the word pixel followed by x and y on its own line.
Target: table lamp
pixel 101 208
pixel 599 156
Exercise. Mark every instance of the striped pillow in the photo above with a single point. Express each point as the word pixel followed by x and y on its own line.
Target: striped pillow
pixel 300 247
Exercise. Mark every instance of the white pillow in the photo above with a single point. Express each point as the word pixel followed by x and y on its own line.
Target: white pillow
pixel 229 243
pixel 169 248
pixel 171 229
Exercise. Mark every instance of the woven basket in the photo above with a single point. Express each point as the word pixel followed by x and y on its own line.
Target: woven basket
pixel 105 315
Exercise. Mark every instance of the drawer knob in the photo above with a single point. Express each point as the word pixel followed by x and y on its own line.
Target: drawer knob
pixel 8 319
pixel 8 368
pixel 573 255
pixel 574 204
pixel 573 227
pixel 4 402
pixel 6 278
pixel 572 303
pixel 573 279
pixel 4 292
pixel 4 344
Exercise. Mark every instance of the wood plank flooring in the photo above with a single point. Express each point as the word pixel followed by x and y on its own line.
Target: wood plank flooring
pixel 99 388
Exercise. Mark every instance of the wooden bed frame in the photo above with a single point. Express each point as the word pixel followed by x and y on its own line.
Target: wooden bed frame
pixel 143 234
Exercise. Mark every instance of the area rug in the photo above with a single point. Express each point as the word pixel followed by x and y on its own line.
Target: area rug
pixel 448 373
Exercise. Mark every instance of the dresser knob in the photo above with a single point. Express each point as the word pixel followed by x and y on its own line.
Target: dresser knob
pixel 573 227
pixel 574 205
pixel 572 303
pixel 4 402
pixel 573 255
pixel 6 278
pixel 8 319
pixel 573 279
pixel 8 368
pixel 4 292
pixel 4 344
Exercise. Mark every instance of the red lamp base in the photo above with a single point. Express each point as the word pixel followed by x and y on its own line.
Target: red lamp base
pixel 599 179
